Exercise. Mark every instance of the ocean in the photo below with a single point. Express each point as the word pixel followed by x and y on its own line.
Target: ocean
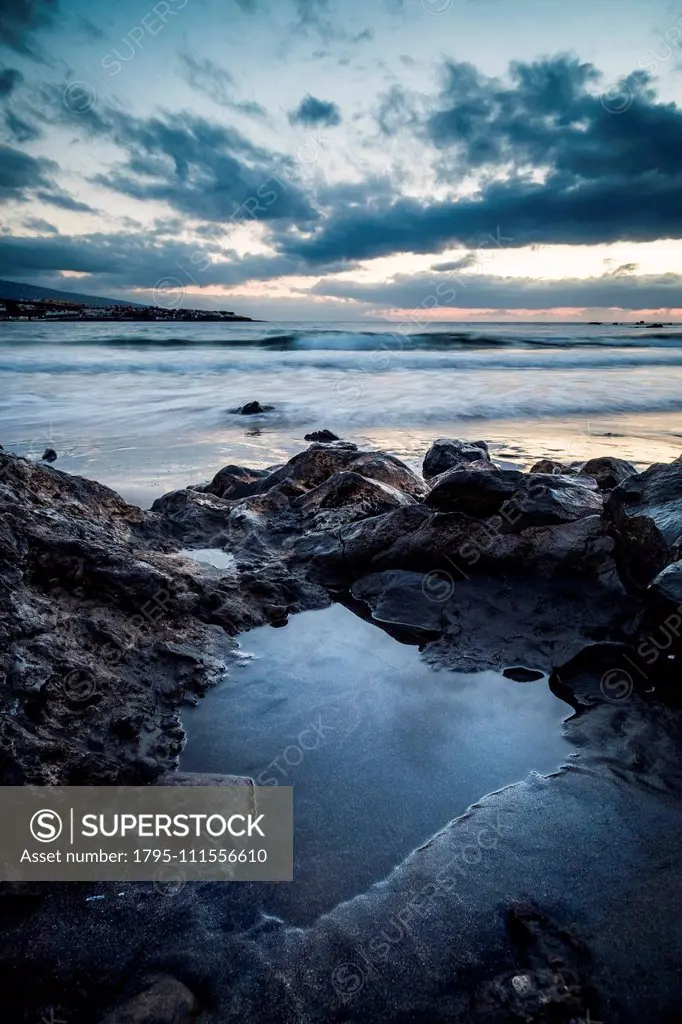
pixel 146 408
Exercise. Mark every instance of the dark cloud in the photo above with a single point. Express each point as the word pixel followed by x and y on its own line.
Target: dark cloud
pixel 218 84
pixel 19 129
pixel 603 176
pixel 200 168
pixel 125 260
pixel 312 113
pixel 37 224
pixel 56 196
pixel 10 78
pixel 19 19
pixel 484 291
pixel 21 173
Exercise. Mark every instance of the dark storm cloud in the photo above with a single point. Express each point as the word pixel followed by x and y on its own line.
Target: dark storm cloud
pixel 19 19
pixel 218 84
pixel 123 260
pixel 20 173
pixel 313 112
pixel 605 176
pixel 10 78
pixel 200 168
pixel 427 292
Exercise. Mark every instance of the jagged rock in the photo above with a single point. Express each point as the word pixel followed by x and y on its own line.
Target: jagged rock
pixel 446 453
pixel 645 514
pixel 315 465
pixel 323 436
pixel 347 497
pixel 607 471
pixel 49 455
pixel 103 634
pixel 253 409
pixel 167 1001
pixel 234 482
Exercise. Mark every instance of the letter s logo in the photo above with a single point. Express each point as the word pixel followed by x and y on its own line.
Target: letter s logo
pixel 46 826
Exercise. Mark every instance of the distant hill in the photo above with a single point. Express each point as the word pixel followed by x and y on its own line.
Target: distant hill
pixel 27 292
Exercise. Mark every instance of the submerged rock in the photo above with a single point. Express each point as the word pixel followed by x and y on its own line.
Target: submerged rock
pixel 446 453
pixel 645 515
pixel 49 455
pixel 324 436
pixel 253 409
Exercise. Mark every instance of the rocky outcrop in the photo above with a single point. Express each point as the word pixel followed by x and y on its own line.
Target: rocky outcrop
pixel 347 497
pixel 645 515
pixel 447 453
pixel 104 633
pixel 234 482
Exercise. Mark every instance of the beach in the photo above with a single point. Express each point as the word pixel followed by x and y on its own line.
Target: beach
pixel 149 407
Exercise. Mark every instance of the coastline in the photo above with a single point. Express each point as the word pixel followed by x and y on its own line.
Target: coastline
pixel 489 898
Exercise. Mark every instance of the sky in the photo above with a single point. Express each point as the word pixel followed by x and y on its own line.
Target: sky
pixel 347 159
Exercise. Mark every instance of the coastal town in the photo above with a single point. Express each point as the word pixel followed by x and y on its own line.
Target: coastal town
pixel 51 309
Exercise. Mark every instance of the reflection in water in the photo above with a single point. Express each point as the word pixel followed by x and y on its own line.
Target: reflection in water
pixel 382 751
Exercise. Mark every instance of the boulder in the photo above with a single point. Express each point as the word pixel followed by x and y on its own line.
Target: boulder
pixel 49 455
pixel 521 499
pixel 549 466
pixel 667 586
pixel 319 462
pixel 167 1001
pixel 645 516
pixel 323 436
pixel 446 453
pixel 473 493
pixel 607 471
pixel 547 499
pixel 234 482
pixel 347 497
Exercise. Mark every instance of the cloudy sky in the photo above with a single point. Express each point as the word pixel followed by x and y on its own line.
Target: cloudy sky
pixel 343 159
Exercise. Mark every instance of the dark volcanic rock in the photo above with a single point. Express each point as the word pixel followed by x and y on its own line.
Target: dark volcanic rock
pixel 167 1001
pixel 599 673
pixel 608 472
pixel 347 497
pixel 474 493
pixel 49 455
pixel 446 453
pixel 253 409
pixel 549 466
pixel 667 586
pixel 645 513
pixel 234 482
pixel 324 436
pixel 522 500
pixel 103 635
pixel 315 465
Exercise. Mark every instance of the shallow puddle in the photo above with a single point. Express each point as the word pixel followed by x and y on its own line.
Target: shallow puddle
pixel 210 556
pixel 381 749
